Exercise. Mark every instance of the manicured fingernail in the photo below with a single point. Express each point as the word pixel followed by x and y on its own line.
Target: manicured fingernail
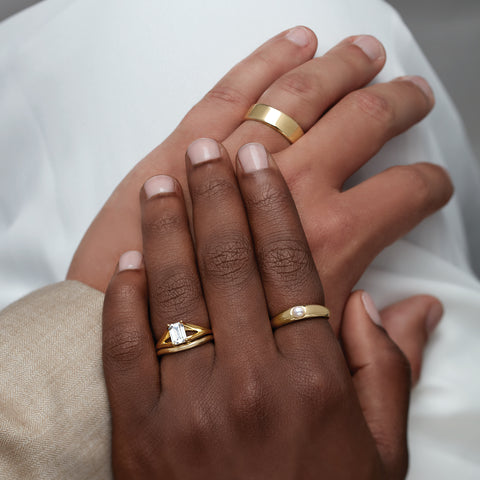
pixel 253 157
pixel 159 184
pixel 299 36
pixel 203 150
pixel 370 46
pixel 131 260
pixel 433 317
pixel 371 309
pixel 421 83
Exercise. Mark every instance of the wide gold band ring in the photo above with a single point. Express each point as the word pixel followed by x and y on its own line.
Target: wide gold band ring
pixel 182 336
pixel 300 312
pixel 275 119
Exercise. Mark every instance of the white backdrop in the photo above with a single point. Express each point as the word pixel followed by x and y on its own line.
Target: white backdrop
pixel 81 85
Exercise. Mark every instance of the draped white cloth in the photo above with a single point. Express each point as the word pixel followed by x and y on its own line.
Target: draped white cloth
pixel 88 87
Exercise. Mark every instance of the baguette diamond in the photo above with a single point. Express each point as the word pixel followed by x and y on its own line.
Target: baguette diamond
pixel 177 333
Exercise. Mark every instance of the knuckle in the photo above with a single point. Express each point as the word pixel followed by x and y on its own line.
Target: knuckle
pixel 422 190
pixel 321 388
pixel 163 222
pixel 298 83
pixel 285 259
pixel 228 95
pixel 122 298
pixel 374 105
pixel 266 58
pixel 213 189
pixel 268 199
pixel 251 402
pixel 124 345
pixel 177 292
pixel 436 181
pixel 123 294
pixel 311 385
pixel 334 232
pixel 227 259
pixel 195 426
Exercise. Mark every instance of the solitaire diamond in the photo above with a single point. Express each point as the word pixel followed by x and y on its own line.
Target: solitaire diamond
pixel 177 333
pixel 299 312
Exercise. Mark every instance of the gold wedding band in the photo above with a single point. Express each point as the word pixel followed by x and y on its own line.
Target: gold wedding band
pixel 182 336
pixel 275 119
pixel 300 312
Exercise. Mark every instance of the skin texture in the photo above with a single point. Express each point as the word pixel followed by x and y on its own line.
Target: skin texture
pixel 346 124
pixel 253 395
pixel 281 404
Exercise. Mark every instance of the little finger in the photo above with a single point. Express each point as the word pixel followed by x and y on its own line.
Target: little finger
pixel 129 360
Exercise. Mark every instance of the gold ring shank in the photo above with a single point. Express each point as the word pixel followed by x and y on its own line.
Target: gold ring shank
pixel 185 346
pixel 300 312
pixel 275 119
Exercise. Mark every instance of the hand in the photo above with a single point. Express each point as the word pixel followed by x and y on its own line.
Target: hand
pixel 256 403
pixel 345 230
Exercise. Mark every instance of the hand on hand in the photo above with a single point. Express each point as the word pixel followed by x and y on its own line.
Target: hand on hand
pixel 345 122
pixel 256 403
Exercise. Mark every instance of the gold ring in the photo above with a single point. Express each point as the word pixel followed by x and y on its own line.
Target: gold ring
pixel 300 312
pixel 274 118
pixel 182 336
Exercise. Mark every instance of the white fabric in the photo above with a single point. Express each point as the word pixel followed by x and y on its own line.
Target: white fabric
pixel 84 90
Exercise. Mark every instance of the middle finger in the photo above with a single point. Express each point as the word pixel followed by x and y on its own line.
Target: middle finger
pixel 226 261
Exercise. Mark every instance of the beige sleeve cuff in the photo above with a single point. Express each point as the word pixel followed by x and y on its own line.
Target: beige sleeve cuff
pixel 54 417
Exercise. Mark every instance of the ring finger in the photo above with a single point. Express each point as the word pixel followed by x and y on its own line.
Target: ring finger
pixel 286 265
pixel 174 289
pixel 307 91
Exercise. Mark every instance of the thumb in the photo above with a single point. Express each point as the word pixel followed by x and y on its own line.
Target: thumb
pixel 381 376
pixel 409 324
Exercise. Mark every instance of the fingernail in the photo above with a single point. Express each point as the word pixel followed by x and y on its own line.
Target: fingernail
pixel 159 184
pixel 203 150
pixel 131 260
pixel 371 309
pixel 253 157
pixel 434 316
pixel 299 36
pixel 421 83
pixel 370 46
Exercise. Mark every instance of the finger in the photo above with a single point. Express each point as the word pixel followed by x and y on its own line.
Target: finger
pixel 129 359
pixel 175 292
pixel 409 323
pixel 395 201
pixel 355 129
pixel 381 376
pixel 286 265
pixel 224 107
pixel 306 92
pixel 217 115
pixel 230 279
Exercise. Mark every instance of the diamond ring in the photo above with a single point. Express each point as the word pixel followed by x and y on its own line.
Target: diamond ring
pixel 182 336
pixel 300 312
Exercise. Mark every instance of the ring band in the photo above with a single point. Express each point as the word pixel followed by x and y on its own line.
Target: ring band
pixel 300 312
pixel 182 336
pixel 275 119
